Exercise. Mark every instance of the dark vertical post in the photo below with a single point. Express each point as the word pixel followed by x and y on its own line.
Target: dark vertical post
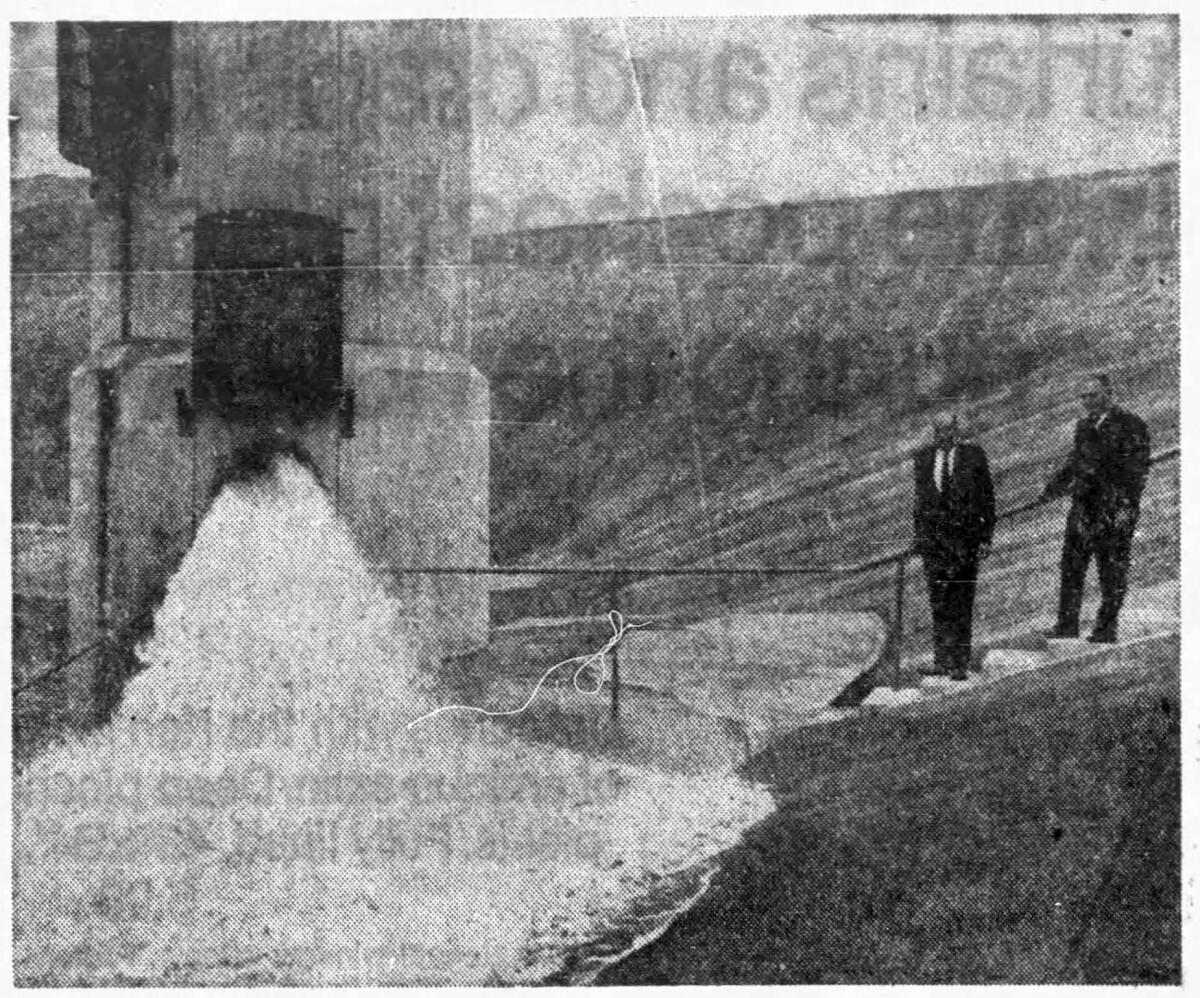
pixel 195 493
pixel 106 418
pixel 614 603
pixel 337 474
pixel 125 256
pixel 898 621
pixel 345 432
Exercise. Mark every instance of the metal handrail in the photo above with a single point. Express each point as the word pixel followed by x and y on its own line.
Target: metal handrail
pixel 609 570
pixel 892 652
pixel 898 557
pixel 853 568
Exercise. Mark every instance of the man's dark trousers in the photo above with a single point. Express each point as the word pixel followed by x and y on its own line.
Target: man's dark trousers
pixel 954 513
pixel 1105 477
pixel 1088 536
pixel 951 582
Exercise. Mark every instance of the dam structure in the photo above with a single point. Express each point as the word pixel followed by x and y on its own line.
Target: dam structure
pixel 278 265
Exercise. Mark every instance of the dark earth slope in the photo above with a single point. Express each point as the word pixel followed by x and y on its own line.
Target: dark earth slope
pixel 745 387
pixel 1028 834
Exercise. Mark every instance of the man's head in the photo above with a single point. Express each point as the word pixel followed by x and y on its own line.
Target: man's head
pixel 1095 392
pixel 945 428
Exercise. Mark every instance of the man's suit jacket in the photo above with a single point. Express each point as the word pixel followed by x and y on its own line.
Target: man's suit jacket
pixel 952 522
pixel 1108 466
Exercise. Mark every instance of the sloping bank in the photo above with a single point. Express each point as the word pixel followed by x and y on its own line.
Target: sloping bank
pixel 1027 832
pixel 258 811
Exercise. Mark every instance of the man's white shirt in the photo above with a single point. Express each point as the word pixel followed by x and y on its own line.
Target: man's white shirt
pixel 943 467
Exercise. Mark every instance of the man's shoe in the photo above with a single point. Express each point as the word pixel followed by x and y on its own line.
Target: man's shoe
pixel 1103 638
pixel 1059 632
pixel 931 669
pixel 958 675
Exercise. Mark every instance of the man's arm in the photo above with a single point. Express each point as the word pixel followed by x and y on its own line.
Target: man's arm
pixel 1137 461
pixel 920 531
pixel 987 498
pixel 1062 480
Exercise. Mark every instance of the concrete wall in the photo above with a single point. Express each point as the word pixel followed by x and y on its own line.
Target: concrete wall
pixel 146 516
pixel 413 482
pixel 364 123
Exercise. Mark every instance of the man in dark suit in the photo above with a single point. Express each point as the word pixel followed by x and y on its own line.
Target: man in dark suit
pixel 1104 477
pixel 954 512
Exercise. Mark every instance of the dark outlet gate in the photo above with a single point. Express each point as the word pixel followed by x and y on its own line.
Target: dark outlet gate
pixel 268 316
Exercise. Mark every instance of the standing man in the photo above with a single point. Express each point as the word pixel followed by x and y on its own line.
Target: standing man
pixel 954 512
pixel 1104 477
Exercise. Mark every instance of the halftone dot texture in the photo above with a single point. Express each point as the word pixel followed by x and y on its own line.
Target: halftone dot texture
pixel 765 413
pixel 257 808
pixel 711 389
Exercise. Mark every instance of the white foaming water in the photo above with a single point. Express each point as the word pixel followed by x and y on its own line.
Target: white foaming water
pixel 258 812
pixel 274 605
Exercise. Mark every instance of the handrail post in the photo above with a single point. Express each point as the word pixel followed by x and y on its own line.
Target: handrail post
pixel 898 620
pixel 614 604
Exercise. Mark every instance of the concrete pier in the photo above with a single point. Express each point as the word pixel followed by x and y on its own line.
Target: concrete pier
pixel 254 122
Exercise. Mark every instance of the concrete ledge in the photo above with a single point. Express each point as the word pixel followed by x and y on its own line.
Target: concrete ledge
pixel 1098 660
pixel 885 697
pixel 768 673
pixel 1021 669
pixel 999 662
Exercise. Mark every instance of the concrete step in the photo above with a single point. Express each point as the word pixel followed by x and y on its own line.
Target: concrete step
pixel 999 662
pixel 1059 648
pixel 1148 610
pixel 911 669
pixel 1017 639
pixel 885 696
pixel 943 685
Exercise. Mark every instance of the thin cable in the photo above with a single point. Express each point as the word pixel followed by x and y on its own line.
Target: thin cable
pixel 676 265
pixel 620 628
pixel 676 296
pixel 58 666
pixel 104 639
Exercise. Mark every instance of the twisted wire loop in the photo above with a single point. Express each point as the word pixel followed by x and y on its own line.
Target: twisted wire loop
pixel 597 658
